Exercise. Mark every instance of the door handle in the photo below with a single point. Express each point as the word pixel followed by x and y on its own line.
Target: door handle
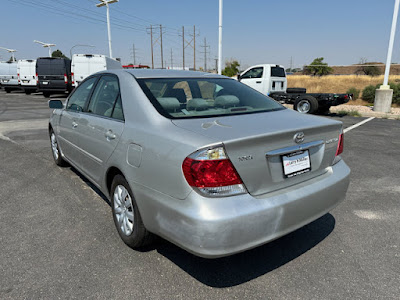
pixel 74 124
pixel 110 135
pixel 258 81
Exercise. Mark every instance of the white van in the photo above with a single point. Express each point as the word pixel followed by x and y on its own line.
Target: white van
pixel 265 78
pixel 84 65
pixel 9 76
pixel 27 75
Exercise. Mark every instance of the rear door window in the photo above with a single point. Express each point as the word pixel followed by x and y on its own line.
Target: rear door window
pixel 78 99
pixel 105 96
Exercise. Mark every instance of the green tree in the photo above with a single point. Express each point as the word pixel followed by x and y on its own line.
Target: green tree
pixel 318 68
pixel 58 53
pixel 231 68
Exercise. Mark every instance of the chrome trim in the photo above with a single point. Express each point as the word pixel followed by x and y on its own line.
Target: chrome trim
pixel 294 148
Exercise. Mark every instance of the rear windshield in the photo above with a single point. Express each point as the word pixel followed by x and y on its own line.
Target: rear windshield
pixel 51 66
pixel 277 72
pixel 178 98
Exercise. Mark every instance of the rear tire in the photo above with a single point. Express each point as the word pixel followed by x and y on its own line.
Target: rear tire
pixel 126 215
pixel 55 150
pixel 46 94
pixel 7 90
pixel 28 92
pixel 306 105
pixel 323 110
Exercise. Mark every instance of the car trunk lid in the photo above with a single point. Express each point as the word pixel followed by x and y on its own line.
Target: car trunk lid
pixel 259 144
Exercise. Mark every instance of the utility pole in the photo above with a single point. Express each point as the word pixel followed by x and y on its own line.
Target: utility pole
pixel 205 54
pixel 194 47
pixel 134 54
pixel 152 55
pixel 107 4
pixel 186 43
pixel 183 49
pixel 220 39
pixel 172 65
pixel 216 64
pixel 156 41
pixel 162 56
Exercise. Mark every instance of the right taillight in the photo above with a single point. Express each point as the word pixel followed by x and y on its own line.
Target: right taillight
pixel 73 78
pixel 211 173
pixel 339 149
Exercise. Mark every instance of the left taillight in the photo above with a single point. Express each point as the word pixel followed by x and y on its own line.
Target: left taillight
pixel 65 79
pixel 339 149
pixel 211 173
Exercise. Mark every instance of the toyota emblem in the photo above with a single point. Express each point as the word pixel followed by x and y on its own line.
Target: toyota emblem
pixel 299 137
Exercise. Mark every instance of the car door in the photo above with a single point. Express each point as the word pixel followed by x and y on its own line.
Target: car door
pixel 254 78
pixel 101 126
pixel 70 118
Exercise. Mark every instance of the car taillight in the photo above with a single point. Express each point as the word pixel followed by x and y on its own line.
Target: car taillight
pixel 73 78
pixel 19 78
pixel 65 79
pixel 37 78
pixel 212 173
pixel 339 149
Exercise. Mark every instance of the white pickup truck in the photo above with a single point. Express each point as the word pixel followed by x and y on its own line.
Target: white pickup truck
pixel 270 80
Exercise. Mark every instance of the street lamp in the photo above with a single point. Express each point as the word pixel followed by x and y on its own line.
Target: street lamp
pixel 45 45
pixel 11 51
pixel 106 3
pixel 384 95
pixel 220 39
pixel 79 45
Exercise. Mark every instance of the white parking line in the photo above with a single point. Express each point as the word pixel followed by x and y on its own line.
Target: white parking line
pixel 358 124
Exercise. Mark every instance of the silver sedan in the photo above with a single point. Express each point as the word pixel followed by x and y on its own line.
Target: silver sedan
pixel 198 159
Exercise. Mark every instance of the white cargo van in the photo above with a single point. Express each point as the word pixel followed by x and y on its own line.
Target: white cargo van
pixel 9 76
pixel 27 75
pixel 84 65
pixel 265 78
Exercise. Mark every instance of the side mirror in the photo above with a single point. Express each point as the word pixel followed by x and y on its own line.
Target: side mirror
pixel 56 104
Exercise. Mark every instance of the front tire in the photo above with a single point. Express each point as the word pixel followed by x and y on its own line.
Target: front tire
pixel 306 105
pixel 46 94
pixel 55 150
pixel 126 215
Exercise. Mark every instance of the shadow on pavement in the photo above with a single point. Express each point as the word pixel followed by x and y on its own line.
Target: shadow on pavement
pixel 243 267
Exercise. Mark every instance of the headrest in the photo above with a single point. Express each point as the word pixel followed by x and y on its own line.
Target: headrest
pixel 226 101
pixel 170 104
pixel 196 104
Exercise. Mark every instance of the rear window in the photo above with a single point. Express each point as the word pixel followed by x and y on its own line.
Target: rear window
pixel 51 66
pixel 179 98
pixel 277 72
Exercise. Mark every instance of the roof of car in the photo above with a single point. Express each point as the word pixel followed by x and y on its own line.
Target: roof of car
pixel 162 73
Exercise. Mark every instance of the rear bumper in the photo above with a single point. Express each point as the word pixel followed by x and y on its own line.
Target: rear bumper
pixel 216 227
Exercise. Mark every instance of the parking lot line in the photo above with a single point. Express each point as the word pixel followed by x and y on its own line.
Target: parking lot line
pixel 358 124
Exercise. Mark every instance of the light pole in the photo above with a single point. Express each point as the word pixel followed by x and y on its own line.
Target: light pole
pixel 45 45
pixel 220 39
pixel 11 51
pixel 107 3
pixel 384 95
pixel 78 45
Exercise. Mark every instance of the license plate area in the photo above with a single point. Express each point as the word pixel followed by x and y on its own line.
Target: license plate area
pixel 45 82
pixel 296 163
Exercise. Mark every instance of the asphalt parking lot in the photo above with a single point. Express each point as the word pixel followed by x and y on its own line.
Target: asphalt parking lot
pixel 57 237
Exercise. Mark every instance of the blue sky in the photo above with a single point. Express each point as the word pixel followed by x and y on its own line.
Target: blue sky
pixel 263 31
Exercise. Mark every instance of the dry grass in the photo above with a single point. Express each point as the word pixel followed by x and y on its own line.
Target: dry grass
pixel 335 84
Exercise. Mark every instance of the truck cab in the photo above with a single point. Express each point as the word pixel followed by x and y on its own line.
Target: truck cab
pixel 265 78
